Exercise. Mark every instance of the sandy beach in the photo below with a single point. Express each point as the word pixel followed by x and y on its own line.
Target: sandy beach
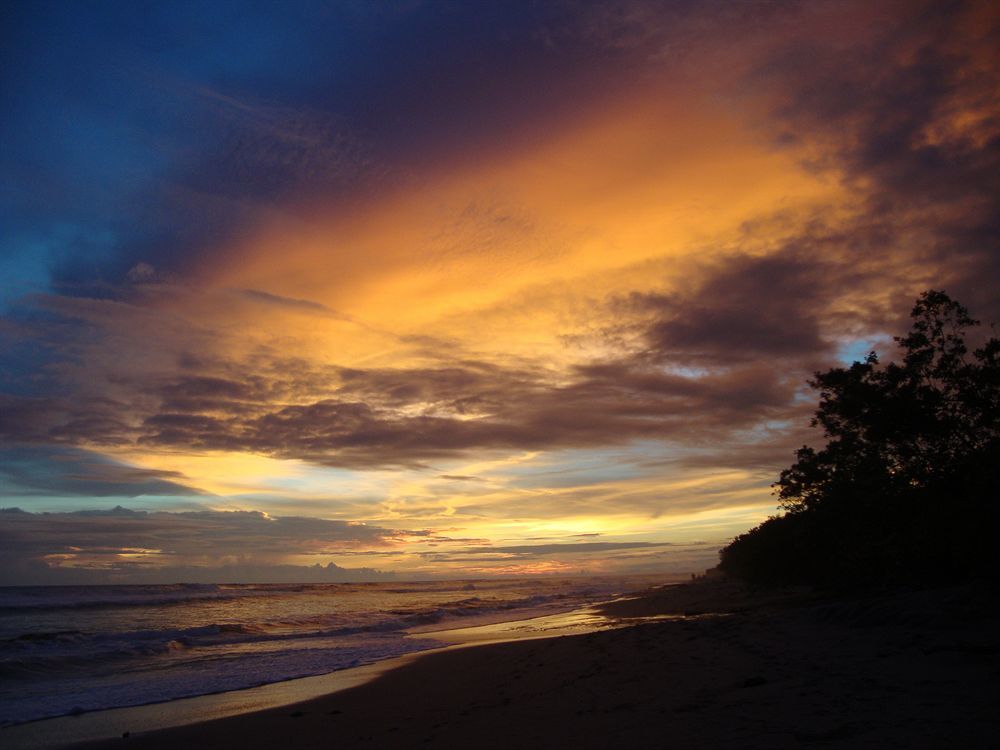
pixel 723 666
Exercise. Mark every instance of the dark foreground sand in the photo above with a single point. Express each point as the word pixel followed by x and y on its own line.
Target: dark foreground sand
pixel 786 670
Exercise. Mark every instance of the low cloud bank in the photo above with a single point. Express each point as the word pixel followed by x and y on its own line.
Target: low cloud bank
pixel 127 546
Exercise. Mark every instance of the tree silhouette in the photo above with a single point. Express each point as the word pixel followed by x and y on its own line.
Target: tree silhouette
pixel 906 485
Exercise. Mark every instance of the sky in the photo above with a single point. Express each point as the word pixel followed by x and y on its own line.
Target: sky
pixel 453 289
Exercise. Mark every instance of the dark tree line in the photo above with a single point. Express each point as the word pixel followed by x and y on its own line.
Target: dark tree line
pixel 906 487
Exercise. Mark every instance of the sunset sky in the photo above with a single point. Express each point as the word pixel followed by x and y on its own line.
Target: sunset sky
pixel 458 288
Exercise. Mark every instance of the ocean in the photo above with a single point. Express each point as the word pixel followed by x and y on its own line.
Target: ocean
pixel 72 649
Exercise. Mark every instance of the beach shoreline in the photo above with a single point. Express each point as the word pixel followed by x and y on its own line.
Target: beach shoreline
pixel 707 664
pixel 58 731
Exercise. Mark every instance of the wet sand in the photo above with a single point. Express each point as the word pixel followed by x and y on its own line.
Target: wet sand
pixel 723 666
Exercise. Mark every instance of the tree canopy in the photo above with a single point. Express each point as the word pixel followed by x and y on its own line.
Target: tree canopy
pixel 905 487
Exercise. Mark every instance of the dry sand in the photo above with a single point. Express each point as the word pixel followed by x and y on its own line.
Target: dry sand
pixel 742 669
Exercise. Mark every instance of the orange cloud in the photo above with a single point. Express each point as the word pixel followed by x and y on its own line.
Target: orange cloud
pixel 504 256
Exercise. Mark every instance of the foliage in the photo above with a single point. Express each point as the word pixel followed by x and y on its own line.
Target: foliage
pixel 906 486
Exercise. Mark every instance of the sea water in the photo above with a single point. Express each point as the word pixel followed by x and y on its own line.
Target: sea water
pixel 71 649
